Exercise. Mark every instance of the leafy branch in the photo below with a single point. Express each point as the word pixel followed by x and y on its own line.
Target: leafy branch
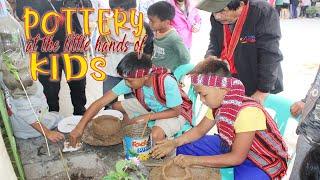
pixel 123 169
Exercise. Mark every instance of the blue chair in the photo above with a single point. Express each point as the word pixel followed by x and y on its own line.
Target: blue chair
pixel 281 106
pixel 182 70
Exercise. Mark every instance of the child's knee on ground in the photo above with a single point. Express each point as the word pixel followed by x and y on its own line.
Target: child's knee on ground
pixel 157 134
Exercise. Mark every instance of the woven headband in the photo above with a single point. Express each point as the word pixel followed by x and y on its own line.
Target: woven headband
pixel 215 81
pixel 139 73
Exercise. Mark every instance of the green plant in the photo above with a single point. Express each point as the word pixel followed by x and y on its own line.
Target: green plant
pixel 311 11
pixel 14 71
pixel 122 169
pixel 9 139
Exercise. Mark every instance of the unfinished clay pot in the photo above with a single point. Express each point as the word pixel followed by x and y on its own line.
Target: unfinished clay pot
pixel 104 126
pixel 171 171
pixel 104 130
pixel 201 173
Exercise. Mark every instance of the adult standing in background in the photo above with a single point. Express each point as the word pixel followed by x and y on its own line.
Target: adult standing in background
pixel 304 5
pixel 279 4
pixel 114 57
pixel 285 9
pixel 293 8
pixel 96 5
pixel 186 20
pixel 246 34
pixel 51 88
pixel 309 126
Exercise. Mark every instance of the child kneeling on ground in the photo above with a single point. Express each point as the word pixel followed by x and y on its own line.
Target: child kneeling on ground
pixel 248 138
pixel 158 97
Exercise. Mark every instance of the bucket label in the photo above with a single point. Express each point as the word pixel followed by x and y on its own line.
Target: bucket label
pixel 137 147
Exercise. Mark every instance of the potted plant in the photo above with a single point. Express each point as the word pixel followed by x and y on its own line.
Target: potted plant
pixel 124 170
pixel 311 12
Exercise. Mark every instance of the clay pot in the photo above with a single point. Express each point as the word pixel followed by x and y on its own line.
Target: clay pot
pixel 104 126
pixel 171 171
pixel 103 131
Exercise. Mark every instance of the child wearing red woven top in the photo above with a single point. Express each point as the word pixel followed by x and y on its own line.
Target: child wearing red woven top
pixel 157 97
pixel 248 138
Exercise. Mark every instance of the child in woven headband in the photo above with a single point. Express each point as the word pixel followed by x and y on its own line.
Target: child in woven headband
pixel 212 81
pixel 157 97
pixel 248 138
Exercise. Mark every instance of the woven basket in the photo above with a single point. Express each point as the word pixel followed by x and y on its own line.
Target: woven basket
pixel 135 130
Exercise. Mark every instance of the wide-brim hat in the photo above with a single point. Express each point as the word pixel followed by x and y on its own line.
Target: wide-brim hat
pixel 170 171
pixel 104 130
pixel 212 5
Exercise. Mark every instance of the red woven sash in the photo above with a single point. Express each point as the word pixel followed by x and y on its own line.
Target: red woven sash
pixel 231 40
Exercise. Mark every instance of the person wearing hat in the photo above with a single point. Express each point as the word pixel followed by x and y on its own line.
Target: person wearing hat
pixel 246 34
pixel 248 138
pixel 157 97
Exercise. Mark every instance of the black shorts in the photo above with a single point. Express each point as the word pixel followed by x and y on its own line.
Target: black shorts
pixel 285 5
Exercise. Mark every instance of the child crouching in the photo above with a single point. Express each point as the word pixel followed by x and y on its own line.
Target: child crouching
pixel 157 97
